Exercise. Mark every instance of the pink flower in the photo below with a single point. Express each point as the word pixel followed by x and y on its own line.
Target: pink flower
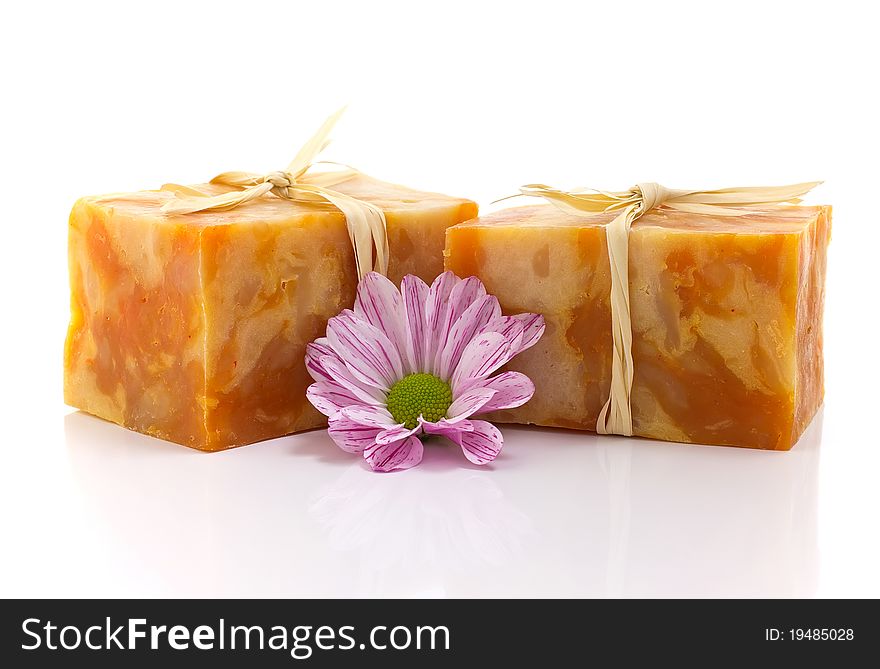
pixel 418 362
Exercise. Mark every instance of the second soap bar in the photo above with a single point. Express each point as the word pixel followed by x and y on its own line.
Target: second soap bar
pixel 726 317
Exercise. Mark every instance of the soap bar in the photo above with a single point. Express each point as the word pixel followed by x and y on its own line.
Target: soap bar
pixel 726 317
pixel 193 328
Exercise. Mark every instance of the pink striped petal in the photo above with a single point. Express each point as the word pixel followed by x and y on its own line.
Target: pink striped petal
pixel 366 351
pixel 401 454
pixel 378 302
pixel 335 387
pixel 462 296
pixel 483 355
pixel 512 389
pixel 342 376
pixel 508 326
pixel 415 294
pixel 436 306
pixel 314 352
pixel 533 330
pixel 329 397
pixel 396 433
pixel 481 312
pixel 483 444
pixel 349 435
pixel 522 330
pixel 371 416
pixel 452 430
pixel 469 403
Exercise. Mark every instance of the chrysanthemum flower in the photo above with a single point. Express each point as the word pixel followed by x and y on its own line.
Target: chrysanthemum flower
pixel 415 362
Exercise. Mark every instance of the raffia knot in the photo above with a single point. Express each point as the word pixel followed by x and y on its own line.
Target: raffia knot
pixel 652 196
pixel 280 181
pixel 366 223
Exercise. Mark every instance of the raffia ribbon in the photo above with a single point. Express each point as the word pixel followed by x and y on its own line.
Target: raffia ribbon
pixel 366 224
pixel 616 415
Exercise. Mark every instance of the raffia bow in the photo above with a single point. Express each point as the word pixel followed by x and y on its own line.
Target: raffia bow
pixel 616 414
pixel 366 224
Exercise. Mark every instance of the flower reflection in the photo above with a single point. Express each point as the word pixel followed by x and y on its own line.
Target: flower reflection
pixel 405 525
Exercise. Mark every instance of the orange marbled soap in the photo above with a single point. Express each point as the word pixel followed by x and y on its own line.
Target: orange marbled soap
pixel 193 328
pixel 726 316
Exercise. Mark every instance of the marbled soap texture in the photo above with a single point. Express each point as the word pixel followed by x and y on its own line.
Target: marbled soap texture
pixel 726 315
pixel 193 328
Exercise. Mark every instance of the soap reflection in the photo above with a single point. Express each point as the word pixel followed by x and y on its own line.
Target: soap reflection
pixel 697 521
pixel 573 515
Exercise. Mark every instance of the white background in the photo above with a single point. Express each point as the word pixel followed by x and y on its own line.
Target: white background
pixel 472 99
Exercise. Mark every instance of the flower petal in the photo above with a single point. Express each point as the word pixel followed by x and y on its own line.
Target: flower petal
pixel 483 444
pixel 463 295
pixel 314 352
pixel 523 330
pixel 533 330
pixel 483 355
pixel 401 454
pixel 329 397
pixel 481 312
pixel 349 435
pixel 415 294
pixel 373 416
pixel 379 303
pixel 469 403
pixel 396 433
pixel 342 376
pixel 450 429
pixel 436 305
pixel 335 387
pixel 512 389
pixel 365 349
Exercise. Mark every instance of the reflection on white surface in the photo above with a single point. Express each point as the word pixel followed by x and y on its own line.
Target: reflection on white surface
pixel 404 532
pixel 559 514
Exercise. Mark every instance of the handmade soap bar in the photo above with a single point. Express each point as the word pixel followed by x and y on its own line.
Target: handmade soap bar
pixel 193 327
pixel 726 317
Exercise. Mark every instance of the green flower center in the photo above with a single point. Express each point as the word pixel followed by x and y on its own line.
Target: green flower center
pixel 419 395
